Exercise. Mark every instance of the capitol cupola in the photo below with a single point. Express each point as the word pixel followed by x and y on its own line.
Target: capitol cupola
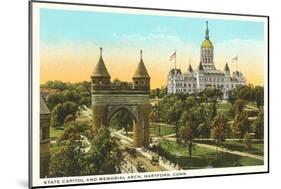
pixel 100 75
pixel 207 43
pixel 207 51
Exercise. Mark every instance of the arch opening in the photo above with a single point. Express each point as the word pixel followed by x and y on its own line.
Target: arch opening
pixel 122 119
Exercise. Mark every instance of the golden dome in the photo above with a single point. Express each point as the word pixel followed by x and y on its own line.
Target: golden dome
pixel 207 44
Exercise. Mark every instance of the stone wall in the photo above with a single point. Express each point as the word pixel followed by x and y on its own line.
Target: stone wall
pixel 44 144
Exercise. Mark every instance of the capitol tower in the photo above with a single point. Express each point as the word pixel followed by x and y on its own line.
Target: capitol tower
pixel 206 76
pixel 207 52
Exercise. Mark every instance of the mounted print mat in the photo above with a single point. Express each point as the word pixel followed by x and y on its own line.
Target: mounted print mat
pixel 122 94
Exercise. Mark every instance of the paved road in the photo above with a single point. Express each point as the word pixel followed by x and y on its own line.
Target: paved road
pixel 139 157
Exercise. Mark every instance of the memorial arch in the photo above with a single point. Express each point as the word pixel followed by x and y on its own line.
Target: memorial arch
pixel 109 97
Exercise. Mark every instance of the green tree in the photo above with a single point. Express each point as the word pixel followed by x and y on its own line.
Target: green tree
pixel 188 122
pixel 85 100
pixel 53 99
pixel 68 119
pixel 246 92
pixel 54 85
pixel 74 130
pixel 219 129
pixel 174 114
pixel 240 125
pixel 204 130
pixel 69 108
pixel 259 96
pixel 155 117
pixel 124 119
pixel 104 156
pixel 71 96
pixel 67 161
pixel 60 112
pixel 259 126
pixel 231 97
pixel 187 137
pixel 57 116
pixel 239 105
pixel 208 101
pixel 155 93
pixel 248 141
pixel 163 92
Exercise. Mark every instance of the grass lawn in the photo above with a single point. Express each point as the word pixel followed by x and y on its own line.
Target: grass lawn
pixel 164 130
pixel 224 108
pixel 203 157
pixel 55 133
pixel 257 147
pixel 55 148
pixel 224 105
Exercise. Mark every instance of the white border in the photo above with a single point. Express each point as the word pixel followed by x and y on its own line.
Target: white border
pixel 36 91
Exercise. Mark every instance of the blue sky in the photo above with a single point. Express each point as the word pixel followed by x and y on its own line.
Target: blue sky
pixel 73 38
pixel 104 27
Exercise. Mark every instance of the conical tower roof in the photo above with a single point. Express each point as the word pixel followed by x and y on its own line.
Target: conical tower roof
pixel 226 68
pixel 100 69
pixel 190 68
pixel 141 71
pixel 200 66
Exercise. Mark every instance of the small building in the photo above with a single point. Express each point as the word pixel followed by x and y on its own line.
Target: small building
pixel 45 116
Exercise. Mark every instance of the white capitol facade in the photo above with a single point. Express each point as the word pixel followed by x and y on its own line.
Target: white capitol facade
pixel 206 75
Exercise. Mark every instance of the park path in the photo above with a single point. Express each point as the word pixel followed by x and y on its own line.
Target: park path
pixel 230 151
pixel 245 154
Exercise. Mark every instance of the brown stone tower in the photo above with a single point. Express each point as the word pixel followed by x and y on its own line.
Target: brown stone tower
pixel 100 82
pixel 45 116
pixel 141 81
pixel 109 97
pixel 141 78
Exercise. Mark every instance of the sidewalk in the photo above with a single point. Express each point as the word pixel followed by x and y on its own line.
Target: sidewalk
pixel 231 152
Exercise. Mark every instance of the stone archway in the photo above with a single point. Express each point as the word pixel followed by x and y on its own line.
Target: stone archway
pixel 130 118
pixel 108 97
pixel 106 105
pixel 112 110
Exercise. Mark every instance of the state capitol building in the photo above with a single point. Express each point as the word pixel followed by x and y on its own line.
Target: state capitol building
pixel 205 76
